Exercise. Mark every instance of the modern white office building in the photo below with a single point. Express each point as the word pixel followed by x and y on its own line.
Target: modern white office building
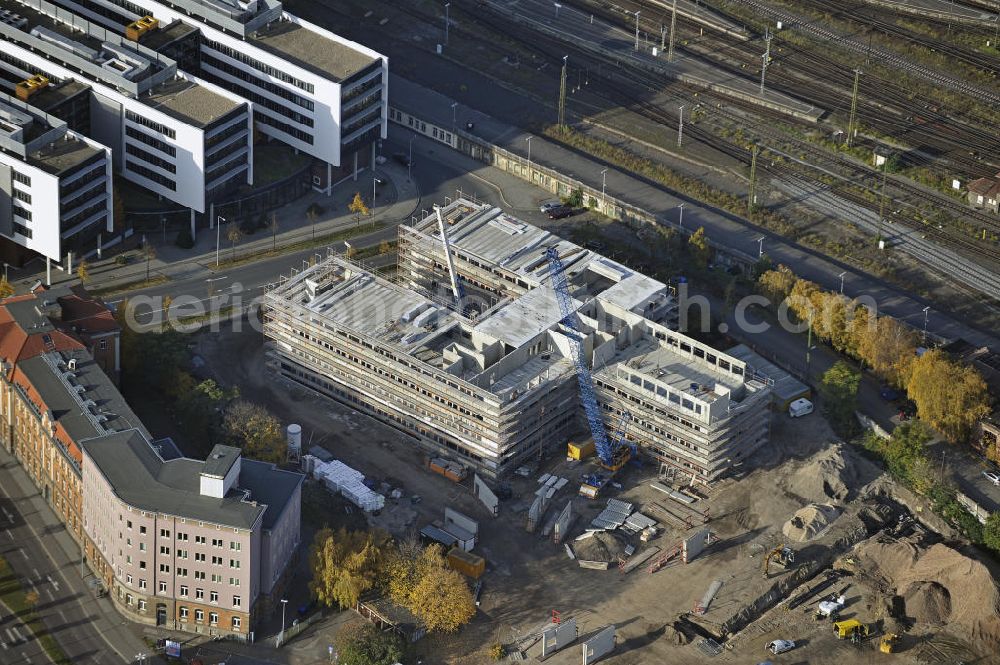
pixel 55 185
pixel 182 138
pixel 310 88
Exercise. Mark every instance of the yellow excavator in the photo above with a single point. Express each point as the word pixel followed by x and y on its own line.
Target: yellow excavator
pixel 781 555
pixel 888 643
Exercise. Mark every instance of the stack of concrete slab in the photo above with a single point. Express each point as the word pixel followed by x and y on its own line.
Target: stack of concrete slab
pixel 550 485
pixel 637 522
pixel 349 483
pixel 613 516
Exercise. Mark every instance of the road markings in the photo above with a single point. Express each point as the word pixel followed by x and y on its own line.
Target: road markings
pixel 26 659
pixel 52 582
pixel 24 554
pixel 10 518
pixel 11 637
pixel 9 534
pixel 52 596
pixel 38 575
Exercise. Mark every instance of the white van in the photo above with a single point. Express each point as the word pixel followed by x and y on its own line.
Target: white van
pixel 800 407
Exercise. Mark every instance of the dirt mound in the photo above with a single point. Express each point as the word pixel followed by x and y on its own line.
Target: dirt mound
pixel 927 602
pixel 966 597
pixel 829 474
pixel 809 522
pixel 602 546
pixel 674 636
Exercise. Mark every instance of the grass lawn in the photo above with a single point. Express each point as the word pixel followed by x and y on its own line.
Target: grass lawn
pixel 129 286
pixel 319 241
pixel 13 595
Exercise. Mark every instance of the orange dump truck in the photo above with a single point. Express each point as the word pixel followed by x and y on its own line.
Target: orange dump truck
pixel 466 563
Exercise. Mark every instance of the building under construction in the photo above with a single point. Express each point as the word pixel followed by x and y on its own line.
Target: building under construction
pixel 467 350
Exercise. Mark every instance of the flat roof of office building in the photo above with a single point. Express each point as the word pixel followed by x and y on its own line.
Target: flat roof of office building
pixel 63 155
pixel 189 102
pixel 54 94
pixel 166 35
pixel 312 51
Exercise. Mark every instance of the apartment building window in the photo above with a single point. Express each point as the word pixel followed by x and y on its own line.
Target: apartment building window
pixel 216 542
pixel 141 605
pixel 199 575
pixel 236 601
pixel 182 554
pixel 217 578
pixel 216 560
pixel 129 599
pixel 199 594
pixel 128 579
pixel 213 618
pixel 142 530
pixel 234 581
pixel 200 540
pixel 142 547
pixel 182 572
pixel 128 524
pixel 164 550
pixel 164 568
pixel 184 614
pixel 182 536
pixel 104 345
pixel 233 545
pixel 142 565
pixel 234 563
pixel 163 587
pixel 149 124
pixel 183 591
pixel 21 178
pixel 199 615
pixel 142 585
pixel 199 556
pixel 213 597
pixel 236 623
pixel 164 533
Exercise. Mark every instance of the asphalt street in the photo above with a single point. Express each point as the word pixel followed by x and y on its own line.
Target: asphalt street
pixel 46 560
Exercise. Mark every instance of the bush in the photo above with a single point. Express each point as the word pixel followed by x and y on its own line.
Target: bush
pixel 184 239
pixel 364 644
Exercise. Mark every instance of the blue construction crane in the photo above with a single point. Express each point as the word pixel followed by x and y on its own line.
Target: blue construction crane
pixel 607 450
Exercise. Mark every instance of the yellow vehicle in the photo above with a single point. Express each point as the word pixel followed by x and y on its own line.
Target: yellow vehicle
pixel 850 628
pixel 888 643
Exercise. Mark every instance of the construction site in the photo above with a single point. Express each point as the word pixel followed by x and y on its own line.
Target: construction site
pixel 619 491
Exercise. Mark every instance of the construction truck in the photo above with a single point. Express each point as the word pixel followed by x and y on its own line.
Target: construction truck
pixel 851 629
pixel 781 555
pixel 888 643
pixel 830 608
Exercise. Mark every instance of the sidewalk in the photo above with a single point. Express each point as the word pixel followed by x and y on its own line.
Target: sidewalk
pixel 396 200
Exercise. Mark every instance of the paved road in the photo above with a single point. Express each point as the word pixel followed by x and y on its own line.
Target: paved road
pixel 44 557
pixel 17 644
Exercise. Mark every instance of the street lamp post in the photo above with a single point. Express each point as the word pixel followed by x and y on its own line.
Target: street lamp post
pixel 604 183
pixel 454 115
pixel 447 22
pixel 528 140
pixel 409 161
pixel 926 312
pixel 637 30
pixel 218 235
pixel 760 247
pixel 5 266
pixel 680 216
pixel 558 6
pixel 841 276
pixel 281 637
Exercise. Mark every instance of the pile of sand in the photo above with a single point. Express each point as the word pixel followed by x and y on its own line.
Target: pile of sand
pixel 809 522
pixel 602 546
pixel 927 602
pixel 829 474
pixel 940 584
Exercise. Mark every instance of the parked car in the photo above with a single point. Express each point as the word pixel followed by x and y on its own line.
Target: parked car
pixel 992 477
pixel 560 212
pixel 549 205
pixel 780 646
pixel 380 159
pixel 403 159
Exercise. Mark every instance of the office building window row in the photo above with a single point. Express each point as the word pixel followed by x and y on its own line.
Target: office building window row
pixel 260 100
pixel 131 116
pixel 21 196
pixel 151 141
pixel 149 174
pixel 259 66
pixel 87 212
pixel 150 158
pixel 21 212
pixel 244 75
pixel 17 176
pixel 66 190
pixel 359 122
pixel 220 156
pixel 21 229
pixel 361 89
pixel 224 135
pixel 283 127
pixel 222 169
pixel 96 189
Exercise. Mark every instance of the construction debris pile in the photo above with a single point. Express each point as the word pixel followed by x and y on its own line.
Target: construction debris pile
pixel 809 522
pixel 829 474
pixel 939 585
pixel 350 483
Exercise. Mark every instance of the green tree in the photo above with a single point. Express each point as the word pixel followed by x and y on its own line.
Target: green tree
pixel 950 396
pixel 905 452
pixel 233 235
pixel 344 565
pixel 698 248
pixel 253 429
pixel 991 532
pixel 199 407
pixel 839 389
pixel 364 644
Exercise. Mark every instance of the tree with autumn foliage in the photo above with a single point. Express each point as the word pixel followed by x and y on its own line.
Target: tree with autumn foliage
pixel 950 396
pixel 345 565
pixel 254 430
pixel 421 580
